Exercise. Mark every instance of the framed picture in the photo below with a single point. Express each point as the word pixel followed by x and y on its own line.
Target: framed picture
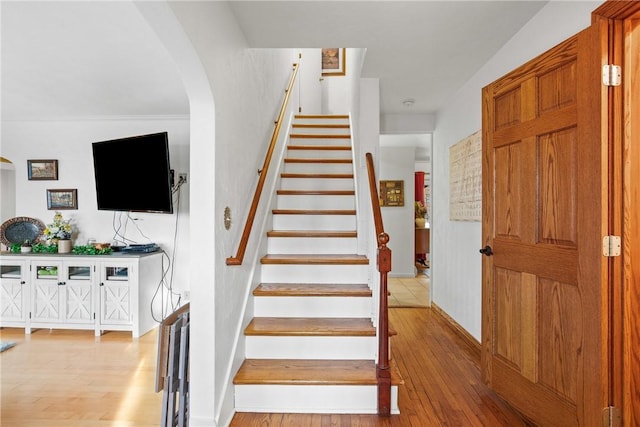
pixel 334 61
pixel 42 170
pixel 62 199
pixel 391 193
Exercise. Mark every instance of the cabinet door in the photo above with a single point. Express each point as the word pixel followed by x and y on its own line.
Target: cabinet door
pixel 47 285
pixel 13 292
pixel 115 295
pixel 78 292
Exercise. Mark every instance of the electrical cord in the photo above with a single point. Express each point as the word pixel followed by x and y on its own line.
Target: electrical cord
pixel 168 306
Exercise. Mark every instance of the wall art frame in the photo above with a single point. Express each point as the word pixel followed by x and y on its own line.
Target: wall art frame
pixel 392 193
pixel 42 170
pixel 60 199
pixel 334 62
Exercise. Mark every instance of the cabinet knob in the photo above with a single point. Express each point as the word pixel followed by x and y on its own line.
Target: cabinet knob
pixel 22 282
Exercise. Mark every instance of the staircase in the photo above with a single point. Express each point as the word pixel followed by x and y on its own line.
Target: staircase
pixel 312 346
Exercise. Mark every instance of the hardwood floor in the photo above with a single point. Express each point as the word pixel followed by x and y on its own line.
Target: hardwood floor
pixel 442 383
pixel 71 379
pixel 57 378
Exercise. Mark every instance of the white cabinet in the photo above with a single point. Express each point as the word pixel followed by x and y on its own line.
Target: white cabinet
pixel 115 294
pixel 105 292
pixel 62 292
pixel 14 293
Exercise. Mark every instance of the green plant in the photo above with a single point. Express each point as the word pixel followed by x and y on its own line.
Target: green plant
pixel 15 248
pixel 90 250
pixel 44 249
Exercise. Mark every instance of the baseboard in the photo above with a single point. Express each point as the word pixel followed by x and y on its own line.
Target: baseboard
pixel 468 339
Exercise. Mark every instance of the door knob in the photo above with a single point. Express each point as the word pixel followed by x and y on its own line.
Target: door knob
pixel 486 251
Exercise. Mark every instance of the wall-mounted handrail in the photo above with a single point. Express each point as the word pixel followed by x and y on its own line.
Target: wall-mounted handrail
pixel 248 225
pixel 383 371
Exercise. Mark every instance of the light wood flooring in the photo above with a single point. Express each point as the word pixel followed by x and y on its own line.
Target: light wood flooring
pixel 72 379
pixel 409 291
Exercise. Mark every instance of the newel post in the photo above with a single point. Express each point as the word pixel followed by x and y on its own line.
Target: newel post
pixel 383 372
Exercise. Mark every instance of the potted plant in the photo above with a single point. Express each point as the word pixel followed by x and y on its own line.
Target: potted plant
pixel 420 214
pixel 26 247
pixel 59 233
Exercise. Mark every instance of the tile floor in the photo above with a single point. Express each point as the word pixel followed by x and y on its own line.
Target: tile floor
pixel 409 291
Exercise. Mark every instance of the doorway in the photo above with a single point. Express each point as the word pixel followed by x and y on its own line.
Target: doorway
pixel 401 156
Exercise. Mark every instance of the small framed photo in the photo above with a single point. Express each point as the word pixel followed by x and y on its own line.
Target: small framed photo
pixel 334 61
pixel 62 199
pixel 42 170
pixel 391 193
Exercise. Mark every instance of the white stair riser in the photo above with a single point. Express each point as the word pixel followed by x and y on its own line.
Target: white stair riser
pixel 284 273
pixel 317 184
pixel 311 245
pixel 340 142
pixel 332 348
pixel 314 222
pixel 318 154
pixel 324 399
pixel 321 121
pixel 320 130
pixel 318 168
pixel 316 202
pixel 269 306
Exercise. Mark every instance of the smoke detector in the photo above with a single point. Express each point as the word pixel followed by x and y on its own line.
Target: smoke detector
pixel 408 102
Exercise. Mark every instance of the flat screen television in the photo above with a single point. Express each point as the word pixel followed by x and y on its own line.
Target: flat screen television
pixel 134 174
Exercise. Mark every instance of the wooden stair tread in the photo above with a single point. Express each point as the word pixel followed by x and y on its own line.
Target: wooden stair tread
pixel 315 259
pixel 321 116
pixel 318 136
pixel 316 192
pixel 318 175
pixel 313 289
pixel 320 147
pixel 313 211
pixel 311 372
pixel 311 327
pixel 312 233
pixel 329 161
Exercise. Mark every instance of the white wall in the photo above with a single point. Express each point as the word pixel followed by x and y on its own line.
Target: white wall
pixel 396 164
pixel 456 263
pixel 69 142
pixel 247 87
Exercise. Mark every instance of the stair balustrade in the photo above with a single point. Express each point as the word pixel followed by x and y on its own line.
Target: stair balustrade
pixel 383 370
pixel 246 233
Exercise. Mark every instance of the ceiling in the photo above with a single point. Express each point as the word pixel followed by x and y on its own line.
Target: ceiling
pixel 75 59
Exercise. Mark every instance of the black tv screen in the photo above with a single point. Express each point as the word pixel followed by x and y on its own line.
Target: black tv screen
pixel 134 174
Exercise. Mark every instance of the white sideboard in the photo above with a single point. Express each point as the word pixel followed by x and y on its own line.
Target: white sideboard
pixel 101 293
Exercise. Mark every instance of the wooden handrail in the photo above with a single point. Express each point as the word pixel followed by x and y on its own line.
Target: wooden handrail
pixel 242 247
pixel 383 371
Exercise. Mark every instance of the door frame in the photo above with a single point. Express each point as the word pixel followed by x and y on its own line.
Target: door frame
pixel 624 205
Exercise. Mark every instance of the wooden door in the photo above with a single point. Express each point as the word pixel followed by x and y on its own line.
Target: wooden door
pixel 545 315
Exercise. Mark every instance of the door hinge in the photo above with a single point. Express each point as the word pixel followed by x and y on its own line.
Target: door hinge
pixel 611 417
pixel 611 246
pixel 611 75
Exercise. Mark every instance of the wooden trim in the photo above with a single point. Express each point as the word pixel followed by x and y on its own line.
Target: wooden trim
pixel 244 239
pixel 624 204
pixel 473 344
